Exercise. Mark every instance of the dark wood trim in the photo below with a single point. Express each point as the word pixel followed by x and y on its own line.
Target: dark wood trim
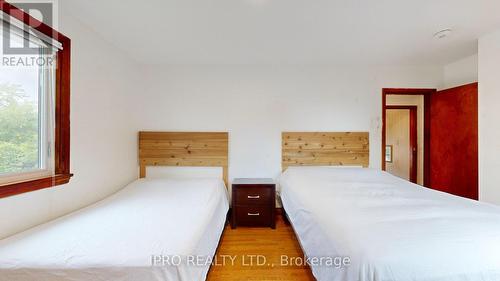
pixel 426 93
pixel 32 185
pixel 12 11
pixel 62 110
pixel 62 134
pixel 427 140
pixel 413 172
pixel 408 107
pixel 413 145
pixel 384 116
pixel 408 91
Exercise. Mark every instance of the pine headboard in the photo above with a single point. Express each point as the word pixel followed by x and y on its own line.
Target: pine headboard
pixel 325 149
pixel 197 149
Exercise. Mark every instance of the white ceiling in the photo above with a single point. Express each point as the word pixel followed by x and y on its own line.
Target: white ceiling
pixel 391 32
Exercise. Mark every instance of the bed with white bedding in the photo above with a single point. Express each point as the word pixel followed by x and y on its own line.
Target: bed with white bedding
pixel 390 229
pixel 116 238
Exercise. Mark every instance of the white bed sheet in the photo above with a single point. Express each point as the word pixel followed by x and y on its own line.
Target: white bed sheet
pixel 389 228
pixel 115 239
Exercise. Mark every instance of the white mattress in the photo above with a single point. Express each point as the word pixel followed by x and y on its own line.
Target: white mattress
pixel 115 239
pixel 389 228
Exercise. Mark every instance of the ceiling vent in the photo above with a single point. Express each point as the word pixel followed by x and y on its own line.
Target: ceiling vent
pixel 442 34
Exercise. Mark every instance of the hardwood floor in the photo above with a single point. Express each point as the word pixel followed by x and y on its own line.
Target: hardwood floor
pixel 256 254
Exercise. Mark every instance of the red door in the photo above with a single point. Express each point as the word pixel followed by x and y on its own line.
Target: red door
pixel 454 141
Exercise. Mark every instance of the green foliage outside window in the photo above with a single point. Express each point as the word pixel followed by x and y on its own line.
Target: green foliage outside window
pixel 18 130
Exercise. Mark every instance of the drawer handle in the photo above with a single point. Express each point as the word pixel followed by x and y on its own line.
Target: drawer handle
pixel 253 196
pixel 253 214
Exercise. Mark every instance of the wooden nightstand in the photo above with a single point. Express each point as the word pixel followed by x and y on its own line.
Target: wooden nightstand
pixel 253 203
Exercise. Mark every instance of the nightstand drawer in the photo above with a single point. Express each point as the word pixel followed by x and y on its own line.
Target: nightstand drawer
pixel 253 202
pixel 253 215
pixel 254 195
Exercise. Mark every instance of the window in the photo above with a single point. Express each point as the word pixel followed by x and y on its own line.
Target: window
pixel 34 104
pixel 388 153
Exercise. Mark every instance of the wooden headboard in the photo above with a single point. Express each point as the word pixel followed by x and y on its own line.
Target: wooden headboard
pixel 325 149
pixel 195 149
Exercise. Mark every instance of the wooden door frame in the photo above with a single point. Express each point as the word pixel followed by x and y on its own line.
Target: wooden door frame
pixel 426 93
pixel 413 167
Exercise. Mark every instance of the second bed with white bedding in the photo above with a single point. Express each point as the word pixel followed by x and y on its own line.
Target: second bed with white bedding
pixel 117 238
pixel 389 229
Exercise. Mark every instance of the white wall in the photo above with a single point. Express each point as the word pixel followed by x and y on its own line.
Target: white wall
pixel 489 116
pixel 103 139
pixel 112 98
pixel 461 72
pixel 256 103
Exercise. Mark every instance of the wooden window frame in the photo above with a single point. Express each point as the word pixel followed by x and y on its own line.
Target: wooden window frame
pixel 62 172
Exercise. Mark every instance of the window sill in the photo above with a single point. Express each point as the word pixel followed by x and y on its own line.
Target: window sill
pixel 12 189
